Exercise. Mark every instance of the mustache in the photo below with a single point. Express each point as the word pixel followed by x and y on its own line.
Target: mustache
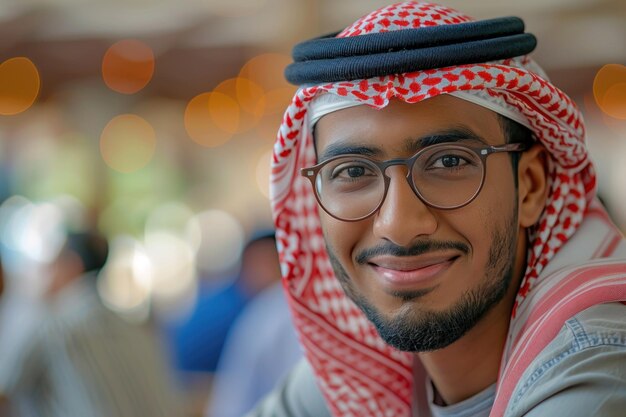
pixel 418 248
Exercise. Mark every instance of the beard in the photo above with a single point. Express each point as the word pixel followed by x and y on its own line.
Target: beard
pixel 412 329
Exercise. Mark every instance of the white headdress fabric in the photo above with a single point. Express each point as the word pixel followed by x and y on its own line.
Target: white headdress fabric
pixel 324 104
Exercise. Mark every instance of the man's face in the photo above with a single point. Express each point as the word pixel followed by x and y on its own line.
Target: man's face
pixel 423 276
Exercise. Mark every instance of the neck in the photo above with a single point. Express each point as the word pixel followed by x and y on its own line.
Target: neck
pixel 472 363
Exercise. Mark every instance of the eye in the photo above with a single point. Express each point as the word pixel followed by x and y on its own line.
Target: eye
pixel 354 170
pixel 449 161
pixel 351 170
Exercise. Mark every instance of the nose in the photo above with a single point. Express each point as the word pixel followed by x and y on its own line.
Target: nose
pixel 403 217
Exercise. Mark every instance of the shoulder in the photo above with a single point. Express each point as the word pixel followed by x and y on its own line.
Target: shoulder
pixel 581 372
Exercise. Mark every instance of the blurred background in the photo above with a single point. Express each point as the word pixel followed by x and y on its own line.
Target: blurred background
pixel 151 122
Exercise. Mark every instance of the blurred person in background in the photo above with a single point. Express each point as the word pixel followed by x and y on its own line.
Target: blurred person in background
pixel 197 340
pixel 261 346
pixel 74 357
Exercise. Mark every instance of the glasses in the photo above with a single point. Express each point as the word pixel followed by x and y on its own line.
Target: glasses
pixel 445 176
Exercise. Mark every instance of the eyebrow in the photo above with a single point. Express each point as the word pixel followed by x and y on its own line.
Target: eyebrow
pixel 411 145
pixel 457 134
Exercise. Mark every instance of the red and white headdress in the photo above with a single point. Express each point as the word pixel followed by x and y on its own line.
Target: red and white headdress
pixel 358 373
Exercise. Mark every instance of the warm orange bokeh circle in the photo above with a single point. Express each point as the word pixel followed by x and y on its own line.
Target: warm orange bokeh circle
pixel 128 66
pixel 609 90
pixel 127 143
pixel 211 119
pixel 19 85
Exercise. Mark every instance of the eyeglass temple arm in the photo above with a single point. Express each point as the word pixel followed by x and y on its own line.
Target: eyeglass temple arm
pixel 509 147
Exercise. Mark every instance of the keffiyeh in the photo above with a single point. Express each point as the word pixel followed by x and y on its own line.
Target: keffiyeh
pixel 358 373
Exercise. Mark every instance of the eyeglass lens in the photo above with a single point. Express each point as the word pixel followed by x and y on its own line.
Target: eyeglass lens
pixel 444 176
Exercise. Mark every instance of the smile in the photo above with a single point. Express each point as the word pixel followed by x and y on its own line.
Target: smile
pixel 397 274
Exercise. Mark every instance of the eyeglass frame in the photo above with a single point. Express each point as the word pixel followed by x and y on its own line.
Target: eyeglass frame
pixel 312 172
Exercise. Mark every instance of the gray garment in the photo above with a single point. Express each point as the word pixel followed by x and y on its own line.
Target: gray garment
pixel 76 358
pixel 581 373
pixel 477 406
pixel 298 396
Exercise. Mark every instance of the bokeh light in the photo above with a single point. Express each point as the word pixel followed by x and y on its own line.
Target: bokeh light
pixel 239 104
pixel 211 119
pixel 19 85
pixel 614 103
pixel 36 232
pixel 32 236
pixel 609 90
pixel 266 70
pixel 250 96
pixel 127 143
pixel 173 268
pixel 7 209
pixel 267 129
pixel 594 115
pixel 171 250
pixel 125 282
pixel 250 99
pixel 222 241
pixel 128 66
pixel 224 112
pixel 278 99
pixel 263 173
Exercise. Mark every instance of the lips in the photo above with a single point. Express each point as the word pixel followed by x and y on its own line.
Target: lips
pixel 398 273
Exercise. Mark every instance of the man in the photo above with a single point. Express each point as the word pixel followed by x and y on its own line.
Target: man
pixel 70 356
pixel 443 251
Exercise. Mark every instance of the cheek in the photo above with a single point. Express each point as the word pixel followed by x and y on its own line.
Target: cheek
pixel 499 193
pixel 469 225
pixel 341 237
pixel 489 214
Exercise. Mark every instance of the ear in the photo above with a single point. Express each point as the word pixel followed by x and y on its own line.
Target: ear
pixel 532 174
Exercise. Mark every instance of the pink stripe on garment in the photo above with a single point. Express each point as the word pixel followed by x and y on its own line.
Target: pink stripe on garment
pixel 569 287
pixel 617 238
pixel 539 335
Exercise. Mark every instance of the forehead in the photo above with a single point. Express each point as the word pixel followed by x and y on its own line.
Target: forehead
pixel 394 126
